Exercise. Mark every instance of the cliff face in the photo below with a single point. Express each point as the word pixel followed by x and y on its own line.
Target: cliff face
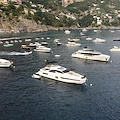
pixel 24 25
pixel 65 3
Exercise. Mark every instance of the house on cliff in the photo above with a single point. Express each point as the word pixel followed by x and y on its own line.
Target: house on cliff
pixel 3 2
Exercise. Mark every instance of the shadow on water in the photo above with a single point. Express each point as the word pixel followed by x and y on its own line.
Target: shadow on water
pixel 25 98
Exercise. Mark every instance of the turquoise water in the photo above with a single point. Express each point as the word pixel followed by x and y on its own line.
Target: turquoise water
pixel 25 98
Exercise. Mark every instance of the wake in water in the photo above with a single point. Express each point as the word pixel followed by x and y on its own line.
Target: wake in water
pixel 14 53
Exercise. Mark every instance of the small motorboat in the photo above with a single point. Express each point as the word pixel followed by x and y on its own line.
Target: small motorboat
pixel 73 44
pixel 118 39
pixel 26 53
pixel 42 49
pixel 67 31
pixel 59 43
pixel 115 49
pixel 25 47
pixel 16 41
pixel 8 45
pixel 57 56
pixel 76 39
pixel 44 43
pixel 5 63
pixel 84 30
pixel 56 40
pixel 99 40
pixel 37 38
pixel 70 40
pixel 20 41
pixel 48 38
pixel 27 39
pixel 32 45
pixel 88 38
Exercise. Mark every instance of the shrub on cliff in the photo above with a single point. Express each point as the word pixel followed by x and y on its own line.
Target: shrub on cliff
pixel 86 21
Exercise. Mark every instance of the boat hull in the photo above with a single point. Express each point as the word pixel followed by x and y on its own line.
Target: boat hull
pixel 5 63
pixel 104 58
pixel 115 50
pixel 40 50
pixel 8 45
pixel 73 44
pixel 62 78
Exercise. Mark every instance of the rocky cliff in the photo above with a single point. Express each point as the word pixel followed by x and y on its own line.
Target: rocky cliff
pixel 65 3
pixel 23 25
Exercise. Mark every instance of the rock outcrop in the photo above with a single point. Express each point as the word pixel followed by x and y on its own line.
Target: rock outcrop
pixel 23 25
pixel 65 3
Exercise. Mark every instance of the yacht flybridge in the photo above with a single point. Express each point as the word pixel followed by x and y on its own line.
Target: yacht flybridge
pixel 90 54
pixel 59 73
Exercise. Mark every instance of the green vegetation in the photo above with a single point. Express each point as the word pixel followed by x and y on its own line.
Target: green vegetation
pixel 86 21
pixel 52 13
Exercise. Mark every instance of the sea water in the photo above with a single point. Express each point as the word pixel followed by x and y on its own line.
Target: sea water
pixel 25 98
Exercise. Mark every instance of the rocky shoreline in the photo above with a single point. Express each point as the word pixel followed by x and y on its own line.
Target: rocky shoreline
pixel 25 25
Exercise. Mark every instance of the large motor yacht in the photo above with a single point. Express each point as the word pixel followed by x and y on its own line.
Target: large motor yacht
pixel 90 54
pixel 59 73
pixel 42 49
pixel 5 63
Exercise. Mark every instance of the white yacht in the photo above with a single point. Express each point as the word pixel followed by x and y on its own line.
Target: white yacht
pixel 26 53
pixel 42 49
pixel 88 38
pixel 32 45
pixel 8 45
pixel 67 31
pixel 73 44
pixel 115 49
pixel 84 30
pixel 90 54
pixel 99 40
pixel 44 43
pixel 76 39
pixel 59 73
pixel 5 63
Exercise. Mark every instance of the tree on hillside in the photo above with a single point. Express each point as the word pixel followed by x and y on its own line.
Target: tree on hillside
pixel 85 21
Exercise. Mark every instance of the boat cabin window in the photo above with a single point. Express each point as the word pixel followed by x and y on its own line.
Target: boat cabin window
pixel 59 71
pixel 90 53
pixel 88 49
pixel 66 71
pixel 55 71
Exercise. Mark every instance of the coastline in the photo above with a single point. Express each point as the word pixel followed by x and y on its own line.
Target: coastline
pixel 50 28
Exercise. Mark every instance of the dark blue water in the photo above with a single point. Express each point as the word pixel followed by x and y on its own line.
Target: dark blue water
pixel 25 98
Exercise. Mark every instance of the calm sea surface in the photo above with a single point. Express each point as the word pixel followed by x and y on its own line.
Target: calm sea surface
pixel 25 98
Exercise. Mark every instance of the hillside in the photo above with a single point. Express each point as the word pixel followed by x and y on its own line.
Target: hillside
pixel 43 15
